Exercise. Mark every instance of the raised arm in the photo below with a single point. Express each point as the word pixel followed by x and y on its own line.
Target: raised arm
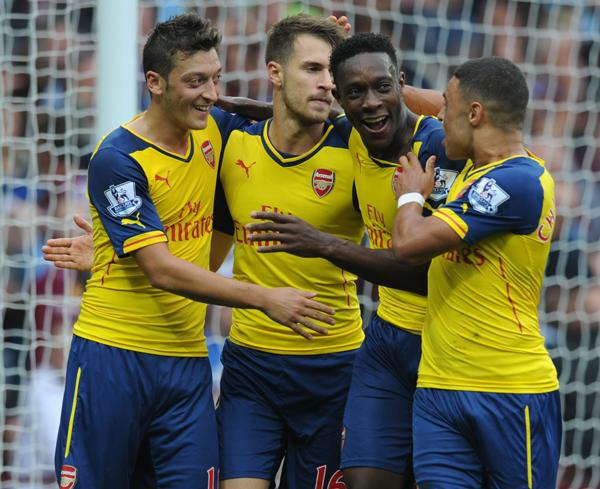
pixel 423 101
pixel 300 238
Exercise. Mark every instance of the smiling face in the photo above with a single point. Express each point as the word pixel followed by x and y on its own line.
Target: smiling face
pixel 191 89
pixel 305 82
pixel 369 90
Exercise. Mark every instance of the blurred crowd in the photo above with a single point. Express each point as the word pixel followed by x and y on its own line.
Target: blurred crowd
pixel 47 124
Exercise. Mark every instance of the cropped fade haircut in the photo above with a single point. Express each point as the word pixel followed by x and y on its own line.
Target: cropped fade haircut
pixel 500 86
pixel 186 34
pixel 283 34
pixel 366 42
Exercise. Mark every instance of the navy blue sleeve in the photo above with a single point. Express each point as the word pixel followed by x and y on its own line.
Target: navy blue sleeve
pixel 222 217
pixel 118 190
pixel 343 127
pixel 506 199
pixel 227 122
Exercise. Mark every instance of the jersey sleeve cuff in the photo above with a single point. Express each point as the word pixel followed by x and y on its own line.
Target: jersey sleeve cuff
pixel 459 226
pixel 142 240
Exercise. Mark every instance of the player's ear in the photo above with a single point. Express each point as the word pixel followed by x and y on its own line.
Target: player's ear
pixel 155 83
pixel 275 73
pixel 401 79
pixel 476 113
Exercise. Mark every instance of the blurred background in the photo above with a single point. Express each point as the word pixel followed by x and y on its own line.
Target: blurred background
pixel 49 123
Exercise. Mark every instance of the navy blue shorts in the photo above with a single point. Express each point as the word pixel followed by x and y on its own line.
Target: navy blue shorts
pixel 132 419
pixel 378 418
pixel 477 439
pixel 273 406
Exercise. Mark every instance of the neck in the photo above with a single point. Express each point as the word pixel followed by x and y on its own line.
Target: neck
pixel 492 144
pixel 157 126
pixel 290 134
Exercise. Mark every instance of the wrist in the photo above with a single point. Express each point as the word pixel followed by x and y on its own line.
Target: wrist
pixel 411 197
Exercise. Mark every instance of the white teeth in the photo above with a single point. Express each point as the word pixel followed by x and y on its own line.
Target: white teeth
pixel 374 120
pixel 202 107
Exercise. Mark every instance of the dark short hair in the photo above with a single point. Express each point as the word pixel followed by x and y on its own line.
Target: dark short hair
pixel 362 43
pixel 281 35
pixel 500 86
pixel 186 34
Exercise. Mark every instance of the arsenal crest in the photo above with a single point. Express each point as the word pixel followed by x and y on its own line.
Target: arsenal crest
pixel 209 153
pixel 68 477
pixel 323 181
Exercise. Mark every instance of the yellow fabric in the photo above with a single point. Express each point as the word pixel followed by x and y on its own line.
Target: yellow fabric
pixel 482 331
pixel 120 308
pixel 255 176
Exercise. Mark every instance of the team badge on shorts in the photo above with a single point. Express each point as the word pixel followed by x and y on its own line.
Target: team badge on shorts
pixel 486 195
pixel 68 477
pixel 208 152
pixel 123 199
pixel 323 181
pixel 443 180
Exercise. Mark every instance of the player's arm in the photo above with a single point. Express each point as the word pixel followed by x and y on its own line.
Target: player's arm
pixel 290 307
pixel 219 247
pixel 299 238
pixel 423 101
pixel 246 107
pixel 417 239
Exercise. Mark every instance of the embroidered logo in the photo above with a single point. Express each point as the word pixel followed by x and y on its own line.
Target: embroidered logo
pixel 245 167
pixel 123 199
pixel 443 180
pixel 135 221
pixel 323 181
pixel 486 195
pixel 68 477
pixel 160 178
pixel 208 152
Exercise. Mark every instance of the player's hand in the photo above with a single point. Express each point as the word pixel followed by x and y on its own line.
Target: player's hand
pixel 410 177
pixel 342 21
pixel 72 253
pixel 290 234
pixel 296 309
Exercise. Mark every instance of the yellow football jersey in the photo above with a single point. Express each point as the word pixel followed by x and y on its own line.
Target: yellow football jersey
pixel 316 186
pixel 141 194
pixel 482 331
pixel 374 179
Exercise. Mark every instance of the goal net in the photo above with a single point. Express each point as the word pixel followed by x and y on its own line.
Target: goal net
pixel 48 121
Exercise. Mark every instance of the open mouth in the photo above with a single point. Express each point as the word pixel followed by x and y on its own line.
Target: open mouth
pixel 202 108
pixel 375 124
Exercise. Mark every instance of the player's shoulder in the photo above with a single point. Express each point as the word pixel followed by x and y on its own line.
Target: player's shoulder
pixel 516 181
pixel 255 129
pixel 429 128
pixel 228 121
pixel 519 172
pixel 117 145
pixel 342 127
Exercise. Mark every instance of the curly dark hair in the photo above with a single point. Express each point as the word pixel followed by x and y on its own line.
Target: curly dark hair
pixel 186 34
pixel 367 42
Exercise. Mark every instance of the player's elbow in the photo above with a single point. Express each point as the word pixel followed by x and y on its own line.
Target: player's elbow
pixel 407 255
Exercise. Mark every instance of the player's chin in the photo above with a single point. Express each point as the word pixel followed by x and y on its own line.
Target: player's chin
pixel 376 140
pixel 198 120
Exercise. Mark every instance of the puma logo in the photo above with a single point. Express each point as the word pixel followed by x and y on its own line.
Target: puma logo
pixel 159 178
pixel 135 221
pixel 245 167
